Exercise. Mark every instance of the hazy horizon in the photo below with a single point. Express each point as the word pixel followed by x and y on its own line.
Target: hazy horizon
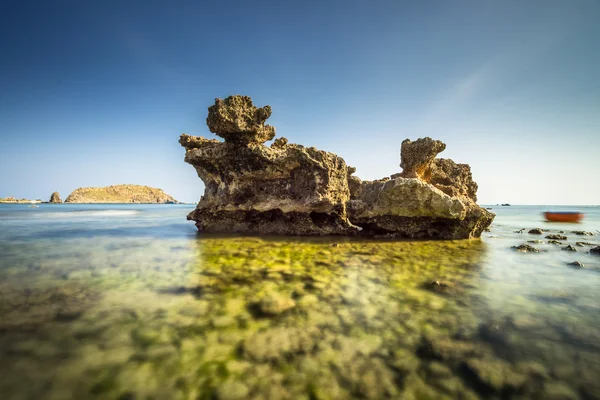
pixel 97 93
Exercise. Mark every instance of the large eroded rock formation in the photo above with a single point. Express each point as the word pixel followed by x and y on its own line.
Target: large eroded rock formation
pixel 431 198
pixel 293 190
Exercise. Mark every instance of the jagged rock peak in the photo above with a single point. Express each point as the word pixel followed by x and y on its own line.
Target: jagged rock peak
pixel 237 120
pixel 55 198
pixel 416 157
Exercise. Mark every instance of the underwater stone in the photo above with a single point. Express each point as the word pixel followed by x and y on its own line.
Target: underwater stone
pixel 569 248
pixel 495 375
pixel 536 231
pixel 558 391
pixel 595 250
pixel 232 390
pixel 275 303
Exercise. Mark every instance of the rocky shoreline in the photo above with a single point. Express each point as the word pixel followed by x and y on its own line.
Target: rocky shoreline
pixel 289 189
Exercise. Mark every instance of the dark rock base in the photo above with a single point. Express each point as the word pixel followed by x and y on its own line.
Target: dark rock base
pixel 424 227
pixel 276 222
pixel 272 222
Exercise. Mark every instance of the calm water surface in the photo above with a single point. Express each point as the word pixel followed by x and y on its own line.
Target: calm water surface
pixel 129 302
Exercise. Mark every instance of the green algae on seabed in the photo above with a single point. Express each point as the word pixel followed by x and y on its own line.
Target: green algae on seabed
pixel 277 318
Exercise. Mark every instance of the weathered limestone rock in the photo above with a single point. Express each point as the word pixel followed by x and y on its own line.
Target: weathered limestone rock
pixel 285 189
pixel 431 198
pixel 55 198
pixel 293 190
pixel 235 119
pixel 416 157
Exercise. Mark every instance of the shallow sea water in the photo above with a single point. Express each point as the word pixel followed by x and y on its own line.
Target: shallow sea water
pixel 130 302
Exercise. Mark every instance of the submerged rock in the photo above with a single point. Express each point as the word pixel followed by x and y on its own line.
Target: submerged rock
pixel 576 264
pixel 293 190
pixel 536 231
pixel 595 250
pixel 275 303
pixel 556 236
pixel 583 233
pixel 55 198
pixel 569 248
pixel 525 248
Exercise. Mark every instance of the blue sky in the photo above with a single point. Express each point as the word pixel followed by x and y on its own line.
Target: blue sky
pixel 94 93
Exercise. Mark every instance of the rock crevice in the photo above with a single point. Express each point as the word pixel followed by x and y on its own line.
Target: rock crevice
pixel 289 189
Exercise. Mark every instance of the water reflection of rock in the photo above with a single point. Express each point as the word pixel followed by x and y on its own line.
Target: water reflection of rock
pixel 360 311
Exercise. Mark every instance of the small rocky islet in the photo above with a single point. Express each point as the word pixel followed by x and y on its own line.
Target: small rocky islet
pixel 118 194
pixel 289 189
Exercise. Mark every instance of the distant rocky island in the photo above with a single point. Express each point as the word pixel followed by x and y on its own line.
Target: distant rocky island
pixel 13 200
pixel 120 194
pixel 55 198
pixel 289 189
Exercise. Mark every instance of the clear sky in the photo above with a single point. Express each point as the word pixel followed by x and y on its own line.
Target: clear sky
pixel 94 93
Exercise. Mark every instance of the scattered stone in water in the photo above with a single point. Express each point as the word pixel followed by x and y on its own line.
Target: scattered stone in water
pixel 536 231
pixel 232 390
pixel 494 375
pixel 277 344
pixel 576 264
pixel 556 242
pixel 439 286
pixel 569 248
pixel 536 241
pixel 224 321
pixel 583 233
pixel 525 248
pixel 275 303
pixel 556 236
pixel 521 230
pixel 558 391
pixel 595 250
pixel 583 244
pixel 560 296
pixel 436 369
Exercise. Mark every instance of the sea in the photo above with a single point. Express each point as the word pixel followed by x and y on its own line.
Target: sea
pixel 131 302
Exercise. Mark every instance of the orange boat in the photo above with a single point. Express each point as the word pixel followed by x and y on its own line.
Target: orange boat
pixel 563 216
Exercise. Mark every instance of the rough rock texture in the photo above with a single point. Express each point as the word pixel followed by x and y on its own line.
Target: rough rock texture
pixel 293 190
pixel 55 198
pixel 235 119
pixel 120 194
pixel 431 198
pixel 416 157
pixel 284 189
